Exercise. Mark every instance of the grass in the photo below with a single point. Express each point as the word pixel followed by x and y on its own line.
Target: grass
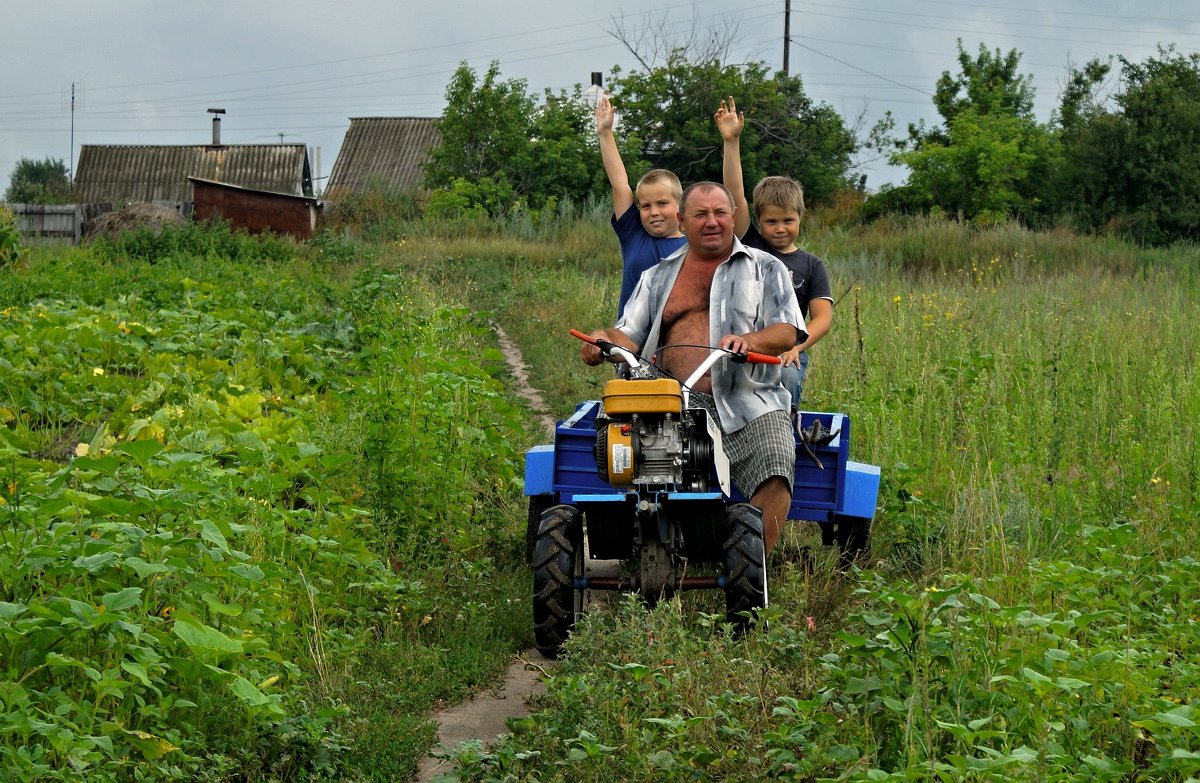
pixel 1028 613
pixel 1030 398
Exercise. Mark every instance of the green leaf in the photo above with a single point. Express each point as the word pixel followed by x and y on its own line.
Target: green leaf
pixel 250 695
pixel 202 638
pixel 217 606
pixel 144 569
pixel 210 533
pixel 138 671
pixel 140 450
pixel 122 599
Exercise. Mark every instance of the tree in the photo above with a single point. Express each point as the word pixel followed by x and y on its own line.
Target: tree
pixel 501 150
pixel 987 170
pixel 990 159
pixel 1137 169
pixel 39 182
pixel 666 119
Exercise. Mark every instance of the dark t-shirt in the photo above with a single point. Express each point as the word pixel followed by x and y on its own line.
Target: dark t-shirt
pixel 809 276
pixel 639 251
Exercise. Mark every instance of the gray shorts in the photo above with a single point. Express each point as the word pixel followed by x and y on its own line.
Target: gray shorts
pixel 764 448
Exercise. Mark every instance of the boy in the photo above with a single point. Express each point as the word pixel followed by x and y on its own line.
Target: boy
pixel 779 207
pixel 650 232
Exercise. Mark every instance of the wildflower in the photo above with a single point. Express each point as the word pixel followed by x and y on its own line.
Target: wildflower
pixel 97 371
pixel 897 299
pixel 82 449
pixel 1156 480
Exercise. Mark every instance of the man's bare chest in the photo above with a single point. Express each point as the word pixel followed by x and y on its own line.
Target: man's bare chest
pixel 689 297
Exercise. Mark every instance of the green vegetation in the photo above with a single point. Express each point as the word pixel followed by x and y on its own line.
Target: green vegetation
pixel 237 496
pixel 1027 612
pixel 39 182
pixel 260 514
pixel 1118 161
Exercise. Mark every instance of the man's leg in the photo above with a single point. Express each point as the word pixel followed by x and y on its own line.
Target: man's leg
pixel 774 497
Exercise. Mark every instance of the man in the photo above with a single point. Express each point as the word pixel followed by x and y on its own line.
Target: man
pixel 715 291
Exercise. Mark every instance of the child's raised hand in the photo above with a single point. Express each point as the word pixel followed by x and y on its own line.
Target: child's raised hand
pixel 605 114
pixel 729 120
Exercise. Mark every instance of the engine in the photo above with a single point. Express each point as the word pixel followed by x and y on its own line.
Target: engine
pixel 644 437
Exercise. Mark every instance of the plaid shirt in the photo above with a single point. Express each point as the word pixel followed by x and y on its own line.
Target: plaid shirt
pixel 750 291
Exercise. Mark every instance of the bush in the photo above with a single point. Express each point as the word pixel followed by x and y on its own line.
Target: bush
pixel 209 239
pixel 11 249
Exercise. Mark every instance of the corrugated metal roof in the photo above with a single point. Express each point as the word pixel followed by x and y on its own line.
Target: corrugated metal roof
pixel 123 174
pixel 386 151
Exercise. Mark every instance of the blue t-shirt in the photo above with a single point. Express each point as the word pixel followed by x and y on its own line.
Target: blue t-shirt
pixel 639 251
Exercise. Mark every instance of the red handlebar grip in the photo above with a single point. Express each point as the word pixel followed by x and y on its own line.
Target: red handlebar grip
pixel 762 358
pixel 586 338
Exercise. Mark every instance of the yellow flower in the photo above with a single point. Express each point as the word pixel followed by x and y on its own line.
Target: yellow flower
pixel 897 299
pixel 97 371
pixel 82 449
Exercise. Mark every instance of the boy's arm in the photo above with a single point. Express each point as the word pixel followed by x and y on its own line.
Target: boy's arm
pixel 614 167
pixel 730 123
pixel 820 319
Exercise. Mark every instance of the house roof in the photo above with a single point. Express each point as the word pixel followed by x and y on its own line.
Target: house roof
pixel 123 174
pixel 384 151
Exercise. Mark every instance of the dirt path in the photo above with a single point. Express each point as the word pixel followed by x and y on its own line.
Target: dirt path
pixel 516 365
pixel 483 717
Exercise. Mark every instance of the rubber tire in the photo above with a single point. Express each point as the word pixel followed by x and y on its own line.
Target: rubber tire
pixel 537 506
pixel 557 560
pixel 745 566
pixel 853 538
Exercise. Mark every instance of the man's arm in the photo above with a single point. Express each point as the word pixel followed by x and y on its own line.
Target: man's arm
pixel 772 340
pixel 614 167
pixel 730 123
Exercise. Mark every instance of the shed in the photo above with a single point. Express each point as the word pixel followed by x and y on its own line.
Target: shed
pixel 124 174
pixel 388 152
pixel 255 210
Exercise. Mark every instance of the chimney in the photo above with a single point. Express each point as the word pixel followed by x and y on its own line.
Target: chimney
pixel 216 113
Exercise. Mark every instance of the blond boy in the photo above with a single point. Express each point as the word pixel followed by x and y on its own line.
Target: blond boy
pixel 779 207
pixel 651 232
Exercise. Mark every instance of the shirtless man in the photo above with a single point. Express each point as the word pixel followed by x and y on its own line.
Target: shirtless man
pixel 715 291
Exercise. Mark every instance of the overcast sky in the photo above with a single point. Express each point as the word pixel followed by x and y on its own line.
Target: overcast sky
pixel 146 71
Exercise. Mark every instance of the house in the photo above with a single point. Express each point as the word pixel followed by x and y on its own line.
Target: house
pixel 125 174
pixel 385 152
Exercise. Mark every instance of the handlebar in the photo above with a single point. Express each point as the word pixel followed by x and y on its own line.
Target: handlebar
pixel 608 348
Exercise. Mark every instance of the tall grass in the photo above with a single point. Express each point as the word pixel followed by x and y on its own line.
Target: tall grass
pixel 1031 399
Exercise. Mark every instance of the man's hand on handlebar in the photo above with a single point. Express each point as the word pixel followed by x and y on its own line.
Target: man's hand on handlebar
pixel 590 351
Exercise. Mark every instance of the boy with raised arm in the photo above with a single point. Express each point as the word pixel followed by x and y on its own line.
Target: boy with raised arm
pixel 646 220
pixel 779 207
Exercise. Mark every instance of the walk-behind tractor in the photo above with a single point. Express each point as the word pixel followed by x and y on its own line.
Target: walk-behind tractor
pixel 641 478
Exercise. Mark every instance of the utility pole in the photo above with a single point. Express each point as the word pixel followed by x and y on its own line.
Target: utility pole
pixel 787 33
pixel 71 157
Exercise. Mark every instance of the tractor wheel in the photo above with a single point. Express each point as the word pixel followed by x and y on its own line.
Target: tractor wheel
pixel 745 565
pixel 537 506
pixel 853 537
pixel 557 560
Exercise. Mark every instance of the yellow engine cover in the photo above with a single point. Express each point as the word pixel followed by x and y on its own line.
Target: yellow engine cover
pixel 620 455
pixel 660 395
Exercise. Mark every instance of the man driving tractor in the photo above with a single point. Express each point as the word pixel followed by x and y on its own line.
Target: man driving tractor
pixel 716 291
